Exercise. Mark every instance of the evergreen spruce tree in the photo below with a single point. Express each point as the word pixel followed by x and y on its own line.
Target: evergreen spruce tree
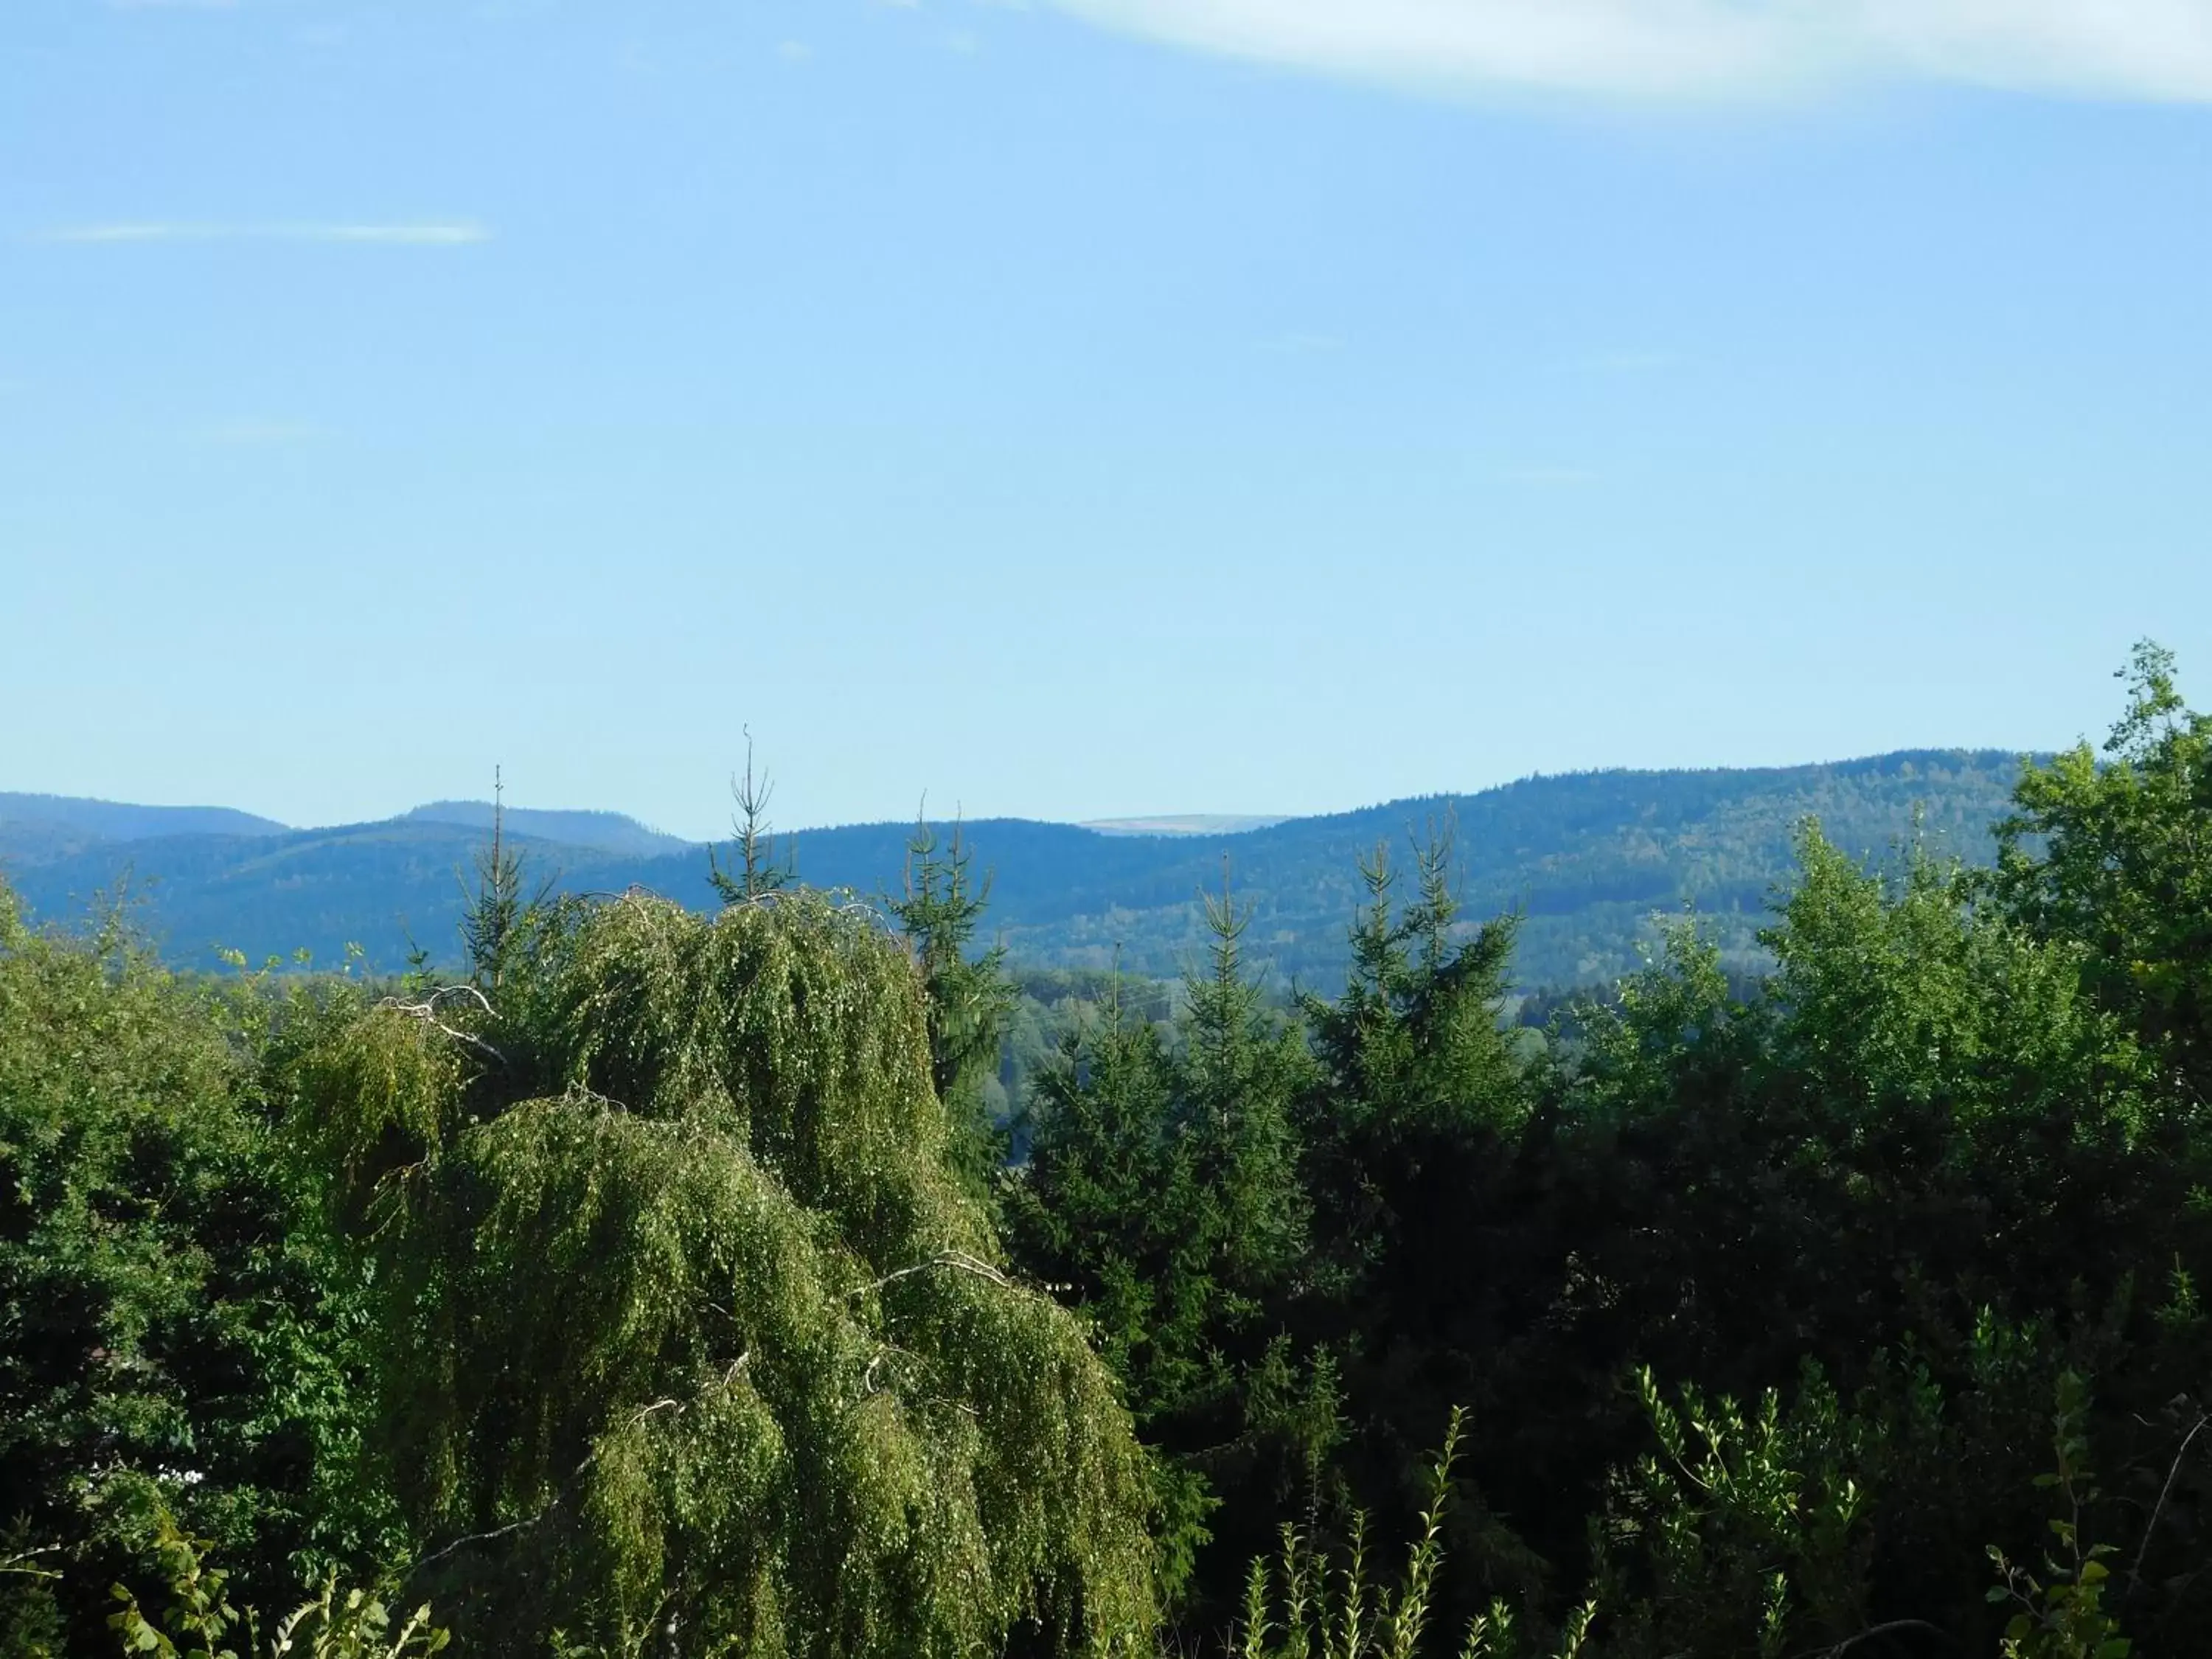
pixel 1161 1196
pixel 969 999
pixel 757 871
pixel 1240 1069
pixel 495 915
pixel 1414 1061
pixel 1106 1211
pixel 1412 1140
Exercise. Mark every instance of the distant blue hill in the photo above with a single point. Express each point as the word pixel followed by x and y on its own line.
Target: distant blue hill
pixel 1589 860
pixel 607 832
pixel 108 820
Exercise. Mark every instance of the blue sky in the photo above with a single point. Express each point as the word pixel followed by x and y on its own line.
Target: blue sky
pixel 1073 410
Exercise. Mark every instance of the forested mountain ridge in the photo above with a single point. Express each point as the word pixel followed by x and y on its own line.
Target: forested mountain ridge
pixel 75 817
pixel 612 833
pixel 1589 858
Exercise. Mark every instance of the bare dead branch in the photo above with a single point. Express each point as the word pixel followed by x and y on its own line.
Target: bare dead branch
pixel 958 1260
pixel 427 1012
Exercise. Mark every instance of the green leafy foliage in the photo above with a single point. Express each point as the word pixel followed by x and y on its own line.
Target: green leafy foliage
pixel 692 1328
pixel 1748 1526
pixel 2062 1613
pixel 2112 857
pixel 201 1622
pixel 172 1309
pixel 1307 1606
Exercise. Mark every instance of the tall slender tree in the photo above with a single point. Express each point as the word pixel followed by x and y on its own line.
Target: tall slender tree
pixel 757 870
pixel 492 914
pixel 970 997
pixel 1161 1196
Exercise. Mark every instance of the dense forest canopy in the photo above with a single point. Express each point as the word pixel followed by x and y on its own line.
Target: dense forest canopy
pixel 658 1282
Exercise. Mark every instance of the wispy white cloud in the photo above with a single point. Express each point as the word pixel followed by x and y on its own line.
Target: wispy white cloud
pixel 1703 49
pixel 134 231
pixel 428 233
pixel 794 52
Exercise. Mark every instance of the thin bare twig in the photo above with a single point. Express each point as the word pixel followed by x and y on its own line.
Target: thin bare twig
pixel 1894 1627
pixel 462 1542
pixel 558 1498
pixel 580 1093
pixel 2150 1527
pixel 24 1565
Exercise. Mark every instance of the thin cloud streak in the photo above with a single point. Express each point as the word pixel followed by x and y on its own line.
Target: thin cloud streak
pixel 131 233
pixel 1708 50
pixel 443 233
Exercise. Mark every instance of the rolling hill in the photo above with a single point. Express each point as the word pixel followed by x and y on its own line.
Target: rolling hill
pixel 71 816
pixel 1590 860
pixel 603 832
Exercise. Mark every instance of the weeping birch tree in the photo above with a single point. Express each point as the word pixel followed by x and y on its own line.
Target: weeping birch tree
pixel 698 1344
